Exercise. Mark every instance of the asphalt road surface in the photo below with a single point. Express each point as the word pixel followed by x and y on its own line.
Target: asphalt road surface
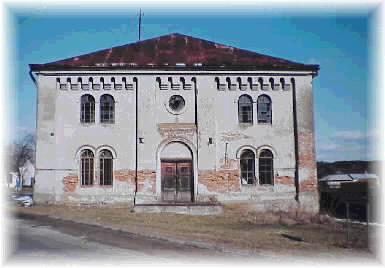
pixel 51 241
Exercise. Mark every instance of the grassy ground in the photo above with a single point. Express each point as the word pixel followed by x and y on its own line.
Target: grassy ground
pixel 233 228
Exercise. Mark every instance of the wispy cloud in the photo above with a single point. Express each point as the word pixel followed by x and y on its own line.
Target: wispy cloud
pixel 355 134
pixel 328 146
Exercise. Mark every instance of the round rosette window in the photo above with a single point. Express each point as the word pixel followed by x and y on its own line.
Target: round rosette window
pixel 176 104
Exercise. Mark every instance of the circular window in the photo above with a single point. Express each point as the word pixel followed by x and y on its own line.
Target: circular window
pixel 176 103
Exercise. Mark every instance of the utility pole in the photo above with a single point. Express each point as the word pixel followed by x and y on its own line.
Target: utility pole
pixel 140 22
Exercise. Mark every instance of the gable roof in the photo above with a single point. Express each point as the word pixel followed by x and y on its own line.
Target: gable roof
pixel 175 50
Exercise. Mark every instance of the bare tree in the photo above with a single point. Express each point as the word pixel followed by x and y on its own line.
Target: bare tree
pixel 21 151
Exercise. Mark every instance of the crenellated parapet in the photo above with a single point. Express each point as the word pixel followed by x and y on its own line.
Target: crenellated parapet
pixel 252 83
pixel 91 83
pixel 175 83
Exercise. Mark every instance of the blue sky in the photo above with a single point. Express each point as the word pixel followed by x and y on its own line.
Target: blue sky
pixel 337 41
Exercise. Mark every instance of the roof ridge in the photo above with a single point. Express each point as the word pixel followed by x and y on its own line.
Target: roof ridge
pixel 169 49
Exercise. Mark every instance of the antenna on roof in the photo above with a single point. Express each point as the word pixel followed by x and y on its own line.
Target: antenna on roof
pixel 140 22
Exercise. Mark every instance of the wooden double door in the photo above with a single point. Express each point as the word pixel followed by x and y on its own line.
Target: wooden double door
pixel 177 182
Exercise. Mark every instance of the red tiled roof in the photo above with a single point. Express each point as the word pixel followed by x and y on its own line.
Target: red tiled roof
pixel 173 50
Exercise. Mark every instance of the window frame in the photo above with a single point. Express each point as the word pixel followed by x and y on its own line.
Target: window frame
pixel 84 109
pixel 245 117
pixel 266 166
pixel 103 174
pixel 250 167
pixel 107 107
pixel 87 175
pixel 268 114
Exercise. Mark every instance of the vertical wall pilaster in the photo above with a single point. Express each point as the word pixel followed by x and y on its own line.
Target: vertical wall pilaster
pixel 307 169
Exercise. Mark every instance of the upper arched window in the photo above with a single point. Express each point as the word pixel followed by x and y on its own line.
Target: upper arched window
pixel 107 109
pixel 266 168
pixel 105 167
pixel 247 164
pixel 87 109
pixel 245 109
pixel 87 167
pixel 264 108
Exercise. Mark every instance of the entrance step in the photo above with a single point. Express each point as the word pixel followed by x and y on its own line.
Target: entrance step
pixel 180 208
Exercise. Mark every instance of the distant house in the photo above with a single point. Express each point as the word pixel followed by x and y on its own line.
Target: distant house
pixel 334 181
pixel 11 180
pixel 27 173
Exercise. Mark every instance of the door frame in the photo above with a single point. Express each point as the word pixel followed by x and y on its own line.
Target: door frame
pixel 176 161
pixel 193 151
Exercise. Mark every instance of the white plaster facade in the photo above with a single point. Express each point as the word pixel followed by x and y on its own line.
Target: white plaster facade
pixel 206 130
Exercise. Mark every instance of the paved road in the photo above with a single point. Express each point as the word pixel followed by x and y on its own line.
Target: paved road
pixel 64 241
pixel 51 241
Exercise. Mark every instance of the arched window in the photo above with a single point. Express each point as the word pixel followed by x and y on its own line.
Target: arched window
pixel 87 167
pixel 266 169
pixel 247 164
pixel 264 109
pixel 87 109
pixel 107 109
pixel 105 167
pixel 245 109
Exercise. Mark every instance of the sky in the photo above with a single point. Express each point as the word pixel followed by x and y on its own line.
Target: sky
pixel 336 40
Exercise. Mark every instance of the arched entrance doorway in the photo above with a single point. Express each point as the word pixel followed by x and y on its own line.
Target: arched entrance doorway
pixel 176 173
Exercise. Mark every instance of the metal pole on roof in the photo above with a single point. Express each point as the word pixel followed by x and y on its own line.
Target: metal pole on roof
pixel 140 22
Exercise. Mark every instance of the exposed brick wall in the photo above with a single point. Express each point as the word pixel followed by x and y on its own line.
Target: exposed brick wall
pixel 307 161
pixel 284 180
pixel 70 182
pixel 309 185
pixel 125 175
pixel 306 150
pixel 147 181
pixel 220 181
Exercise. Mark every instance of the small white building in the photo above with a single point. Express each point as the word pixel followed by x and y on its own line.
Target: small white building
pixel 27 173
pixel 12 179
pixel 176 119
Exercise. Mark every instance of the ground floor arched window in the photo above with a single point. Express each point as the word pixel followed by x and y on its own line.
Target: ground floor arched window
pixel 266 169
pixel 87 167
pixel 105 168
pixel 247 164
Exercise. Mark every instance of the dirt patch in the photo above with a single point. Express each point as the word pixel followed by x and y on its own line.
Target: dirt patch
pixel 234 228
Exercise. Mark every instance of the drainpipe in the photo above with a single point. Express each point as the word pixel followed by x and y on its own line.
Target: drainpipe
pixel 295 128
pixel 196 125
pixel 136 138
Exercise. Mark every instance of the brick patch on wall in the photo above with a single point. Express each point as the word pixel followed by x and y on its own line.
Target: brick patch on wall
pixel 125 175
pixel 307 160
pixel 306 150
pixel 284 180
pixel 220 181
pixel 70 182
pixel 309 185
pixel 147 181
